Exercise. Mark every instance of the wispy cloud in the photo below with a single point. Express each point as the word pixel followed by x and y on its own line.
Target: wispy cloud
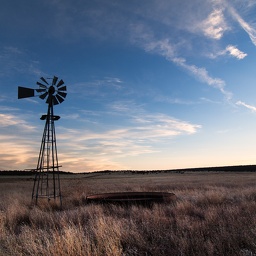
pixel 94 148
pixel 142 126
pixel 171 100
pixel 241 103
pixel 15 60
pixel 166 49
pixel 250 30
pixel 7 120
pixel 114 82
pixel 143 29
pixel 98 87
pixel 17 152
pixel 203 76
pixel 231 50
pixel 142 134
pixel 163 47
pixel 214 26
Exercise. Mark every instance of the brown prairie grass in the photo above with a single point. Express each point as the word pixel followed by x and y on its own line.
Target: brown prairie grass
pixel 214 214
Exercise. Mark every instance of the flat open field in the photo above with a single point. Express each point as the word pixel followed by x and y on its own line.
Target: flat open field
pixel 214 214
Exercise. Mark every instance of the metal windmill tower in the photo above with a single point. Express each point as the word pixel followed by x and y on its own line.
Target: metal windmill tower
pixel 47 179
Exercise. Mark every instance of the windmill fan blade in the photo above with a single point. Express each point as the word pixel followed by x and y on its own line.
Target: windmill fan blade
pixel 59 98
pixel 63 88
pixel 43 79
pixel 54 80
pixel 61 82
pixel 63 94
pixel 43 95
pixel 24 92
pixel 41 85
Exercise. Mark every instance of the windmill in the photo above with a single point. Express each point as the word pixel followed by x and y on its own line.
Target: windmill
pixel 47 180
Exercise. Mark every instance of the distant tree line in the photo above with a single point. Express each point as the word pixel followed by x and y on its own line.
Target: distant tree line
pixel 24 172
pixel 238 168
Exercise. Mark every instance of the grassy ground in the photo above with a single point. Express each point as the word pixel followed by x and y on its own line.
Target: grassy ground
pixel 214 214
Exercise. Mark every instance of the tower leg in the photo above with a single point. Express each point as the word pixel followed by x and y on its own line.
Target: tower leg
pixel 47 178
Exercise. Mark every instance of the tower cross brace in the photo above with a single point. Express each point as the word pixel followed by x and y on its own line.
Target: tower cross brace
pixel 47 180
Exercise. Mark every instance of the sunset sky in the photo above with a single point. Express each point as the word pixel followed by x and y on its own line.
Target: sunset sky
pixel 152 84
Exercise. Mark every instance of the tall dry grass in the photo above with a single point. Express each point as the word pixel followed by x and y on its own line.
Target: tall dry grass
pixel 214 215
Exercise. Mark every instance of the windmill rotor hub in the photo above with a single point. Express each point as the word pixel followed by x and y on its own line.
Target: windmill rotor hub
pixel 51 90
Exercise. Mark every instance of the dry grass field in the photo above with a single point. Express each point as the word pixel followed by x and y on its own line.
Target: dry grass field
pixel 214 214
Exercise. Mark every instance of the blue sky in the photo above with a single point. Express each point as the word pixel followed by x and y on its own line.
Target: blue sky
pixel 152 84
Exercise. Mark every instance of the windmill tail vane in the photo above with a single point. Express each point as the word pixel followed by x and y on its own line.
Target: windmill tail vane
pixel 47 179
